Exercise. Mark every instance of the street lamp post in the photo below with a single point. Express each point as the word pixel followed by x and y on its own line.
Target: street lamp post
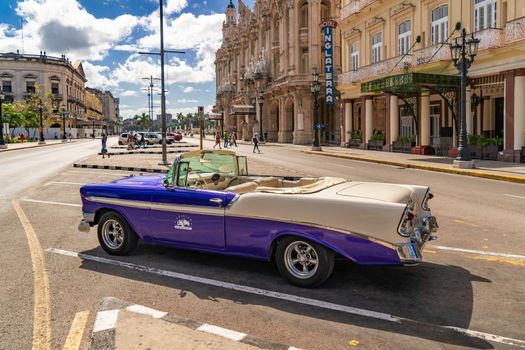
pixel 261 102
pixel 315 88
pixel 64 137
pixel 2 142
pixel 463 53
pixel 41 141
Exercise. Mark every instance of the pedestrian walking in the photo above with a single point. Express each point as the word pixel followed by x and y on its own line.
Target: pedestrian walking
pixel 130 140
pixel 22 137
pixel 225 137
pixel 142 143
pixel 70 137
pixel 255 141
pixel 104 150
pixel 234 138
pixel 217 140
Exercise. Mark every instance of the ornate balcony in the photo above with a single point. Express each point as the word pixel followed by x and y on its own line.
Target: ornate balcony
pixel 434 53
pixel 515 30
pixel 348 77
pixel 491 38
pixel 225 88
pixel 350 9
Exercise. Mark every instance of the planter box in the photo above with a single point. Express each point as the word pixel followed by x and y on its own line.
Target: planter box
pixel 401 147
pixel 475 151
pixel 375 145
pixel 489 153
pixel 422 150
pixel 354 143
pixel 453 153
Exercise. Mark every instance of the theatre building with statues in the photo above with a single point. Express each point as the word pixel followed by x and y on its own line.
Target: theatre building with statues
pixel 269 60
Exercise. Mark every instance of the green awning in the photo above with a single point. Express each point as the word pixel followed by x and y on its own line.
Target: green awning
pixel 411 83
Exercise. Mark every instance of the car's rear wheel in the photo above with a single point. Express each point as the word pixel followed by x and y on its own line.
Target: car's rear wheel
pixel 303 262
pixel 120 143
pixel 115 235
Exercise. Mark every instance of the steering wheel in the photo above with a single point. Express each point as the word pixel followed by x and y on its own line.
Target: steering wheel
pixel 203 180
pixel 215 178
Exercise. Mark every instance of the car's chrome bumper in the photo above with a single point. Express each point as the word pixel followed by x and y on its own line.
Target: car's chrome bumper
pixel 86 223
pixel 410 253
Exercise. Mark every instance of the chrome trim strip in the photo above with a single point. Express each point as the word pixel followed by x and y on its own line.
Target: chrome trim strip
pixel 346 232
pixel 189 209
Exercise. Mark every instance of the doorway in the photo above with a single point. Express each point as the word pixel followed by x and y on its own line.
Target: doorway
pixel 500 112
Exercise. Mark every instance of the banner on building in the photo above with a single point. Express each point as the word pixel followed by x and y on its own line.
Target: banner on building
pixel 328 40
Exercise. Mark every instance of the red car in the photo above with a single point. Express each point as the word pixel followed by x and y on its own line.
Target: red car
pixel 176 135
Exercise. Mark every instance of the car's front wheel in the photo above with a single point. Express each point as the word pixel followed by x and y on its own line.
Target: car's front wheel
pixel 115 235
pixel 303 262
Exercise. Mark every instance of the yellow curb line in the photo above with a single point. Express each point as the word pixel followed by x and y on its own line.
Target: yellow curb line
pixel 508 178
pixel 76 332
pixel 499 260
pixel 42 307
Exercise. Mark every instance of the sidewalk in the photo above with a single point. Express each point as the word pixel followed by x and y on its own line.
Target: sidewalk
pixel 19 146
pixel 121 325
pixel 512 172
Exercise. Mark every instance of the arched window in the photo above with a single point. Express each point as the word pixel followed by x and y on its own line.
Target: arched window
pixel 484 14
pixel 304 15
pixel 304 60
pixel 276 31
pixel 325 12
pixel 439 29
pixel 404 37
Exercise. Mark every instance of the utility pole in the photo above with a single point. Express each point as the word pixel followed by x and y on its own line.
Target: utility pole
pixel 201 126
pixel 151 86
pixel 162 81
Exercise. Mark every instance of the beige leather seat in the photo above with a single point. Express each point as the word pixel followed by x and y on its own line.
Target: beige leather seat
pixel 270 182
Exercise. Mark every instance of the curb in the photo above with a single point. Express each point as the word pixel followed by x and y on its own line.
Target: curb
pixel 484 175
pixel 103 336
pixel 142 152
pixel 124 168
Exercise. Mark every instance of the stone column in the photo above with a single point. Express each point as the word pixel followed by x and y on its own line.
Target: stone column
pixel 314 8
pixel 519 111
pixel 394 118
pixel 508 124
pixel 369 118
pixel 292 31
pixel 469 112
pixel 425 119
pixel 349 107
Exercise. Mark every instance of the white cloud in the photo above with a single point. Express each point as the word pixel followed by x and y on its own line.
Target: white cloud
pixel 186 101
pixel 98 76
pixel 128 93
pixel 65 27
pixel 188 90
pixel 175 6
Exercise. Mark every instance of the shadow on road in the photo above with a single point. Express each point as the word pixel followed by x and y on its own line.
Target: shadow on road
pixel 429 295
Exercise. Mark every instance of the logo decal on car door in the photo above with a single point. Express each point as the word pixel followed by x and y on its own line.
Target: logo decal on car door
pixel 183 222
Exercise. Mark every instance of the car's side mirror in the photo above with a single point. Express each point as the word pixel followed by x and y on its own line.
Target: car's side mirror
pixel 182 174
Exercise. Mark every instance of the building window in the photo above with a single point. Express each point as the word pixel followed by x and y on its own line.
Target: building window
pixel 354 56
pixel 439 29
pixel 6 86
pixel 325 12
pixel 30 87
pixel 484 14
pixel 54 88
pixel 304 16
pixel 377 45
pixel 304 60
pixel 404 38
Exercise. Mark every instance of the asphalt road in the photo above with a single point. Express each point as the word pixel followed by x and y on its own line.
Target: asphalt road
pixel 468 291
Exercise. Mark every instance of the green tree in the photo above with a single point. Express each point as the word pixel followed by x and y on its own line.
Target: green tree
pixel 143 121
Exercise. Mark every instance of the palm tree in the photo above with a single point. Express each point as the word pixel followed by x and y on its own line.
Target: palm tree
pixel 143 121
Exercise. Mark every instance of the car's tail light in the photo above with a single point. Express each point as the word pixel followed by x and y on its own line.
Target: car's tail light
pixel 425 203
pixel 406 226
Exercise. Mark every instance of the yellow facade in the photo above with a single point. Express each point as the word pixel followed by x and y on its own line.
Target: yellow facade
pixel 94 108
pixel 380 38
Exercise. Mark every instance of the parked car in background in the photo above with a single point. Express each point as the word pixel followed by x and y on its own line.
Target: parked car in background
pixel 177 136
pixel 123 139
pixel 208 202
pixel 151 138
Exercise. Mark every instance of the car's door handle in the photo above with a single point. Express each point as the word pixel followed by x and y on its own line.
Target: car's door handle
pixel 216 201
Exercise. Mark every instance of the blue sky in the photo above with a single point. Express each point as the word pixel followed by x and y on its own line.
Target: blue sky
pixel 106 35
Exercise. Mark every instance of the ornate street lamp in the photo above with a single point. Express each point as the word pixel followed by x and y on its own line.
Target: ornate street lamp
pixel 2 142
pixel 315 87
pixel 261 102
pixel 64 113
pixel 463 53
pixel 42 140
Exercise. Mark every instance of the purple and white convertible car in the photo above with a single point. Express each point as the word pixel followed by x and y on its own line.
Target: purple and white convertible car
pixel 208 202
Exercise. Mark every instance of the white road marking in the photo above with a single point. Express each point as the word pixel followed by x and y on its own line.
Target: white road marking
pixel 480 252
pixel 139 309
pixel 49 202
pixel 513 196
pixel 64 183
pixel 223 332
pixel 284 296
pixel 105 320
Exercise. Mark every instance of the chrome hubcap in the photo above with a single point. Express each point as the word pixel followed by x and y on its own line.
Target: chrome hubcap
pixel 301 260
pixel 113 234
